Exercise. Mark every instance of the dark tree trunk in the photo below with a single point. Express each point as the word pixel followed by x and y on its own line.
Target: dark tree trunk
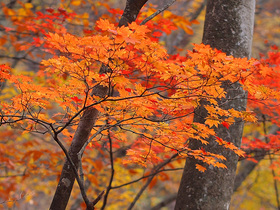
pixel 228 27
pixel 86 124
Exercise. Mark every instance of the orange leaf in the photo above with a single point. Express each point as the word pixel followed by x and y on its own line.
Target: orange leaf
pixel 200 168
pixel 93 179
pixel 153 183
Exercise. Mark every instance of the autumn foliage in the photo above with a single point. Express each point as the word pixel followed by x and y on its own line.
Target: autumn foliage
pixel 146 109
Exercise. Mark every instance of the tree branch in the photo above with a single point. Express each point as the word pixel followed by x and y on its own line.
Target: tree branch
pixel 112 171
pixel 80 182
pixel 149 180
pixel 167 200
pixel 157 12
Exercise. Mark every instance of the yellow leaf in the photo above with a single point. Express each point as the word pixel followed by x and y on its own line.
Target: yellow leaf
pixel 21 13
pixel 76 2
pixel 28 5
pixel 28 197
pixel 212 123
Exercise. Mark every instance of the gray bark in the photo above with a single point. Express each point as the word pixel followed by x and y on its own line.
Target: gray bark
pixel 228 27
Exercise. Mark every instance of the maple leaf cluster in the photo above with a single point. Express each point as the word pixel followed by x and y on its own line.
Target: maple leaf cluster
pixel 265 108
pixel 150 95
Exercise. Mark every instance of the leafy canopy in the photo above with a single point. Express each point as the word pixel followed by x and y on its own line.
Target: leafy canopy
pixel 148 101
pixel 149 94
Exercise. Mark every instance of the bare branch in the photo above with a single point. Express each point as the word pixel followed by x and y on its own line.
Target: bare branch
pixel 149 181
pixel 80 183
pixel 157 12
pixel 167 200
pixel 112 171
pixel 147 176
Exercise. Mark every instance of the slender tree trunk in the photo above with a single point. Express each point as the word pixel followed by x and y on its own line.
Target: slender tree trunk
pixel 228 27
pixel 86 124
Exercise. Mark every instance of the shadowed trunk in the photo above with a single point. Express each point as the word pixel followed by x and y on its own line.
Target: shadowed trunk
pixel 228 27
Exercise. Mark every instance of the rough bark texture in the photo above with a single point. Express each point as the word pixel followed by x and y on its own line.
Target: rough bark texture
pixel 228 27
pixel 86 124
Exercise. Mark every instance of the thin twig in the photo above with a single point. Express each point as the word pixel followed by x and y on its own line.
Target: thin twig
pixel 98 198
pixel 55 137
pixel 75 171
pixel 80 153
pixel 149 181
pixel 198 11
pixel 271 161
pixel 144 177
pixel 112 172
pixel 15 199
pixel 20 58
pixel 157 12
pixel 167 200
pixel 140 192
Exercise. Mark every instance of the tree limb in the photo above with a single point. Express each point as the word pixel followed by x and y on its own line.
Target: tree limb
pixel 157 12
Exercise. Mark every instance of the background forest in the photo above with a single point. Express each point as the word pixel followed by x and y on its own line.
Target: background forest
pixel 30 158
